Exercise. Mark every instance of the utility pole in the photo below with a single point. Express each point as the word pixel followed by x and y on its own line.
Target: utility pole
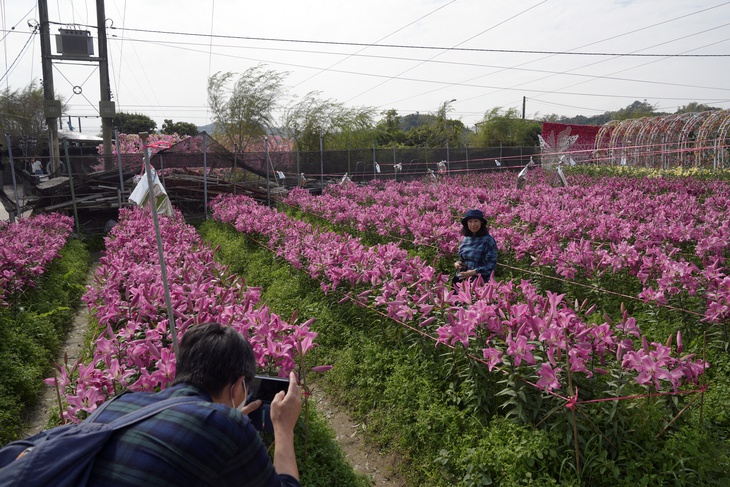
pixel 51 106
pixel 106 106
pixel 75 45
pixel 524 102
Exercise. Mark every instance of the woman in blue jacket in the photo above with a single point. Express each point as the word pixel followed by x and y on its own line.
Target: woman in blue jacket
pixel 477 251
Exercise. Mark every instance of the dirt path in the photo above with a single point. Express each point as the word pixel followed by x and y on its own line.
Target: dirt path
pixel 363 459
pixel 39 415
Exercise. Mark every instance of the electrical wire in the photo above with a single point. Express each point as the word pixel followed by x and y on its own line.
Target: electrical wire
pixel 641 29
pixel 210 55
pixel 446 83
pixel 401 58
pixel 450 49
pixel 422 47
pixel 381 39
pixel 645 64
pixel 20 54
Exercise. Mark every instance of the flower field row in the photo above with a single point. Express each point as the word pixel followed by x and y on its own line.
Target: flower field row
pixel 672 236
pixel 27 247
pixel 134 349
pixel 510 324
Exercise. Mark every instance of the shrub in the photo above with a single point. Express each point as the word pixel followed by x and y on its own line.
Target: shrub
pixel 32 331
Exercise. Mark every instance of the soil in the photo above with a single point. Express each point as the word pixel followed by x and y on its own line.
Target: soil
pixel 39 416
pixel 364 459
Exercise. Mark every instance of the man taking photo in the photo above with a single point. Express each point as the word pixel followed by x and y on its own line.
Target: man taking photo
pixel 206 442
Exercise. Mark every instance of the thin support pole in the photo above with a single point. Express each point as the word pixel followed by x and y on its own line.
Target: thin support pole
pixel 163 269
pixel 233 171
pixel 162 169
pixel 704 378
pixel 448 159
pixel 321 161
pixel 572 410
pixel 119 160
pixel 268 183
pixel 375 164
pixel 15 184
pixel 467 158
pixel 205 173
pixel 395 161
pixel 69 169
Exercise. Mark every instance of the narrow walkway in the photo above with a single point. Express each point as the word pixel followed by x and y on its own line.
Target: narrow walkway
pixel 75 341
pixel 364 459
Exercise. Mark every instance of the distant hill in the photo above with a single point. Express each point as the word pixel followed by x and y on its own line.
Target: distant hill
pixel 211 127
pixel 207 128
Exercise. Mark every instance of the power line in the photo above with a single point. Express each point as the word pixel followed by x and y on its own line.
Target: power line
pixel 178 45
pixel 381 39
pixel 645 64
pixel 574 49
pixel 20 54
pixel 450 49
pixel 405 46
pixel 421 80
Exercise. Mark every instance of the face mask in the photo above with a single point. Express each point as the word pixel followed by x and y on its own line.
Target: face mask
pixel 245 393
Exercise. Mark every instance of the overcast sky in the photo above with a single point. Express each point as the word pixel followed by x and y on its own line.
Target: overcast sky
pixel 565 57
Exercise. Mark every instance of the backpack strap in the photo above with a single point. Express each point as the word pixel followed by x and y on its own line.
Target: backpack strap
pixel 144 412
pixel 92 417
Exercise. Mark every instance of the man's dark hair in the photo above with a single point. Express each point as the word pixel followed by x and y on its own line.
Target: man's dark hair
pixel 483 230
pixel 211 356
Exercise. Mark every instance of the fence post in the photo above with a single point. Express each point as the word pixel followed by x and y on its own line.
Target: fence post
pixel 467 158
pixel 69 169
pixel 395 161
pixel 448 160
pixel 321 161
pixel 119 159
pixel 15 184
pixel 374 162
pixel 158 237
pixel 205 173
pixel 162 170
pixel 233 171
pixel 266 161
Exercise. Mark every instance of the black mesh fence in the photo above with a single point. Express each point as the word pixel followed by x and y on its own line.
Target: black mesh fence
pixel 359 165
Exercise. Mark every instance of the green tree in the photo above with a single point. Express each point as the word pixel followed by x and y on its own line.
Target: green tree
pixel 244 111
pixel 353 127
pixel 181 128
pixel 506 128
pixel 638 109
pixel 696 107
pixel 415 120
pixel 340 127
pixel 388 130
pixel 134 123
pixel 434 129
pixel 22 116
pixel 446 130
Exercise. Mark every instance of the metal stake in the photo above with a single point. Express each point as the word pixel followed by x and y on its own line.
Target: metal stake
pixel 161 254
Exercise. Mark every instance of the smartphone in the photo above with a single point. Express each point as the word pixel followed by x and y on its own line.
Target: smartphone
pixel 265 388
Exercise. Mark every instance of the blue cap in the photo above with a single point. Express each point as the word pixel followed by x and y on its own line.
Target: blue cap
pixel 473 214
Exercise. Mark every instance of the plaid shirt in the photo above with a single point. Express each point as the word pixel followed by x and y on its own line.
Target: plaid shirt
pixel 192 444
pixel 479 254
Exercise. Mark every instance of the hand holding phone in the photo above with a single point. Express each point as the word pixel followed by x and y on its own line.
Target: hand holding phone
pixel 285 408
pixel 265 389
